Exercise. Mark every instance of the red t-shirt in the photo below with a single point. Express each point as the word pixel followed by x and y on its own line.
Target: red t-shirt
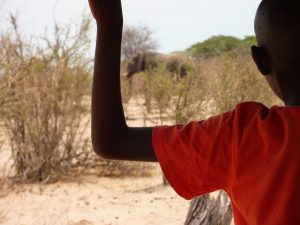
pixel 252 152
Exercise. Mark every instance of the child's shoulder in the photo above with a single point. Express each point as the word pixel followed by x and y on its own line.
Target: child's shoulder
pixel 250 105
pixel 255 111
pixel 246 109
pixel 246 112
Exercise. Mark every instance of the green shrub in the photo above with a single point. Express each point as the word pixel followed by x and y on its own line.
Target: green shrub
pixel 217 45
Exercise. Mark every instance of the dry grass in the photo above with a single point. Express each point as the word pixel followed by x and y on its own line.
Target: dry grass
pixel 44 100
pixel 213 85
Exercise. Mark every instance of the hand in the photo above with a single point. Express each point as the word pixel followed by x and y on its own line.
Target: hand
pixel 107 12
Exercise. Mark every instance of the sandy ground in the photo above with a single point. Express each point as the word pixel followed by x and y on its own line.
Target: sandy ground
pixel 93 200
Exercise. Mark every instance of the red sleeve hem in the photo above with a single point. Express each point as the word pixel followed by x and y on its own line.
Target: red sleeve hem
pixel 162 156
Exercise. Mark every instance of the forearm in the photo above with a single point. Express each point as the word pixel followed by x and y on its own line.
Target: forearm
pixel 108 120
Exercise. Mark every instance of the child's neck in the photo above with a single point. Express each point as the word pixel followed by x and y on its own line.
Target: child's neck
pixel 290 95
pixel 292 102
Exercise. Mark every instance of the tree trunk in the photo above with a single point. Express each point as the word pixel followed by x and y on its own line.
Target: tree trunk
pixel 165 181
pixel 207 210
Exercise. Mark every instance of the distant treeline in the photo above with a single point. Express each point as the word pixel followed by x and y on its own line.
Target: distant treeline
pixel 219 44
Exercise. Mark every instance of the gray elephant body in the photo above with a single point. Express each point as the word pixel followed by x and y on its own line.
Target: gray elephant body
pixel 176 63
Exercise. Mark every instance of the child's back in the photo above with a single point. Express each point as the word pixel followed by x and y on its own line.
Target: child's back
pixel 252 153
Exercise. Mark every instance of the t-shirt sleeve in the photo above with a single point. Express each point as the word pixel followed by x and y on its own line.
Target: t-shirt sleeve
pixel 196 158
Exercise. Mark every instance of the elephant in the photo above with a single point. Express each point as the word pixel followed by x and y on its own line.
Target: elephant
pixel 176 63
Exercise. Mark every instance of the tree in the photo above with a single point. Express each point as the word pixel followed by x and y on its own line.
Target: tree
pixel 219 44
pixel 207 210
pixel 137 40
pixel 250 40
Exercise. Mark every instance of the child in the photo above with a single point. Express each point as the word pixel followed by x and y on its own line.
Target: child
pixel 252 152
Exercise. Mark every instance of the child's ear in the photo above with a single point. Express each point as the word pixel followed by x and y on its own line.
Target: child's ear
pixel 261 60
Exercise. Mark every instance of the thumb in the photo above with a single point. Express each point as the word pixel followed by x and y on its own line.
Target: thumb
pixel 92 7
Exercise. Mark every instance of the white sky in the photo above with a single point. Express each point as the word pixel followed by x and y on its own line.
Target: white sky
pixel 177 23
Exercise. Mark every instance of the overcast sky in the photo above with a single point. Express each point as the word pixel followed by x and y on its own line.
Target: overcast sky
pixel 177 23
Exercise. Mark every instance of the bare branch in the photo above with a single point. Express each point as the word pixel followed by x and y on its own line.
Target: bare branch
pixel 137 40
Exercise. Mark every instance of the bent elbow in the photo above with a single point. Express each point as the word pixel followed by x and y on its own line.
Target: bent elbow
pixel 108 145
pixel 104 150
pixel 101 150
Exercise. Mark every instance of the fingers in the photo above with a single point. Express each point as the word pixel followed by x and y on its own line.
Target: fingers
pixel 92 7
pixel 106 11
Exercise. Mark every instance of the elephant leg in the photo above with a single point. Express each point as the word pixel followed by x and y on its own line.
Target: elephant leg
pixel 126 90
pixel 147 102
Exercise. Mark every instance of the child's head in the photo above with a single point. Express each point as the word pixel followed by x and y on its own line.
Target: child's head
pixel 277 56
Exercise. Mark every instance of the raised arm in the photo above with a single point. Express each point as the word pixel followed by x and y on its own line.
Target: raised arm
pixel 111 137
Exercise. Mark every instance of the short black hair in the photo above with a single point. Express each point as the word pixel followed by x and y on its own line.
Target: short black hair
pixel 275 19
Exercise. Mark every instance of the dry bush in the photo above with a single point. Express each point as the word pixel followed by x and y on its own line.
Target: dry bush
pixel 191 100
pixel 158 90
pixel 43 101
pixel 45 106
pixel 178 100
pixel 44 89
pixel 213 85
pixel 125 84
pixel 236 79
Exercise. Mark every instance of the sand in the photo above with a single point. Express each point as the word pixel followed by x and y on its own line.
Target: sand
pixel 93 200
